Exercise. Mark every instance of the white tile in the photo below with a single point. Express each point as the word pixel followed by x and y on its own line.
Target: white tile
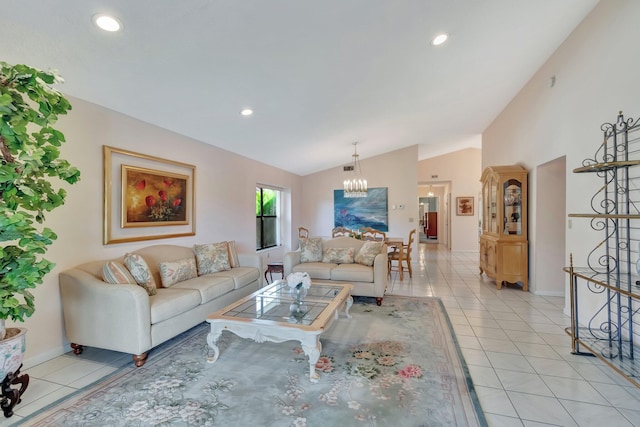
pixel 93 377
pixel 632 416
pixel 510 361
pixel 29 407
pixel 484 376
pixel 537 350
pixel 524 336
pixel 475 357
pixel 72 373
pixel 541 409
pixel 483 321
pixel 580 390
pixel 617 396
pixel 524 382
pixel 495 333
pixel 554 367
pixel 495 420
pixel 469 342
pixel 500 346
pixel 587 414
pixel 495 401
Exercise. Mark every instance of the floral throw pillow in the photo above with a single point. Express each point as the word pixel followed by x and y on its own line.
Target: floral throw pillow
pixel 172 272
pixel 367 253
pixel 140 271
pixel 311 249
pixel 212 258
pixel 338 255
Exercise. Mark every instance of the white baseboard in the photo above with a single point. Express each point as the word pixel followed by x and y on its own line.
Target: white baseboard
pixel 549 293
pixel 42 357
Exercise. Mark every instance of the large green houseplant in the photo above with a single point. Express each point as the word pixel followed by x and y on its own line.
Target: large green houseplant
pixel 29 150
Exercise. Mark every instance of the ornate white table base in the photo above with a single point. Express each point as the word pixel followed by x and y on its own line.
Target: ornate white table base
pixel 273 332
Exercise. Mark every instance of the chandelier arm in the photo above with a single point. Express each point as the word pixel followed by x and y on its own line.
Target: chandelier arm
pixel 357 186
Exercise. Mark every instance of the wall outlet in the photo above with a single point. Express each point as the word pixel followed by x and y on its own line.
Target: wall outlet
pixel 400 206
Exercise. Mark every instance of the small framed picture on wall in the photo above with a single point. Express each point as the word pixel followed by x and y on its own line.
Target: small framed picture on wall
pixel 464 205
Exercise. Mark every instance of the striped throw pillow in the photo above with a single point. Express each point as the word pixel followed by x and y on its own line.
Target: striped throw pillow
pixel 116 273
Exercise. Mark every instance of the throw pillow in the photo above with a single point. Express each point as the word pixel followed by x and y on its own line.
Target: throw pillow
pixel 116 273
pixel 339 255
pixel 140 271
pixel 233 254
pixel 212 258
pixel 367 253
pixel 172 272
pixel 311 249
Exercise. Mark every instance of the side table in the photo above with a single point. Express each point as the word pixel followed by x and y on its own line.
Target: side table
pixel 273 267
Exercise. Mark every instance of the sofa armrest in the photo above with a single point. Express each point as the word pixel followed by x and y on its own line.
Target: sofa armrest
pixel 381 272
pixel 99 314
pixel 252 260
pixel 289 261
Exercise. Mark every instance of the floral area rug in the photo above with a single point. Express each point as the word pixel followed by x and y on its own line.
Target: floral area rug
pixel 394 365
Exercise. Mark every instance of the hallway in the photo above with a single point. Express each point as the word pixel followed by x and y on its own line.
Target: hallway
pixel 517 351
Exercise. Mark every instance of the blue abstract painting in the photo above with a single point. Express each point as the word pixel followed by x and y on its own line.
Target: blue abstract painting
pixel 354 213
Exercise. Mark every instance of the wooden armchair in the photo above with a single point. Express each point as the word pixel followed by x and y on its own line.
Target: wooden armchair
pixel 402 257
pixel 341 231
pixel 373 234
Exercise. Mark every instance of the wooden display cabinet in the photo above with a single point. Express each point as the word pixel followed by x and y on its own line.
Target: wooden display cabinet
pixel 504 254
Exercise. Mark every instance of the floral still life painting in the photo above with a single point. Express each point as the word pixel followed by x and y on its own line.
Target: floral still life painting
pixel 152 198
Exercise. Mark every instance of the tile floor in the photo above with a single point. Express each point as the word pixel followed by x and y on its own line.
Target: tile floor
pixel 514 343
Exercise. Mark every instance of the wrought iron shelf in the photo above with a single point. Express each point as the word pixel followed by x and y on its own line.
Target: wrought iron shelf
pixel 606 166
pixel 605 295
pixel 625 364
pixel 626 283
pixel 609 216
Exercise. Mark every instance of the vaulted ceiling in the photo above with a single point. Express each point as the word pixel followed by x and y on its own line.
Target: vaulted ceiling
pixel 319 75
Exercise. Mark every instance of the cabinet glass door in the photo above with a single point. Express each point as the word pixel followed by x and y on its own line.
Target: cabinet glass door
pixel 485 207
pixel 493 208
pixel 512 221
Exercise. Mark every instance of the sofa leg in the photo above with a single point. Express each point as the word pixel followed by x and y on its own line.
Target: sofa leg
pixel 139 359
pixel 378 302
pixel 77 348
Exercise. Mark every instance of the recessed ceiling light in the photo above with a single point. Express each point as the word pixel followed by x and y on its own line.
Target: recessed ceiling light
pixel 439 39
pixel 107 23
pixel 246 112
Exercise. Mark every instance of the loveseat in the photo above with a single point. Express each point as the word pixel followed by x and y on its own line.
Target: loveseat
pixel 125 317
pixel 342 259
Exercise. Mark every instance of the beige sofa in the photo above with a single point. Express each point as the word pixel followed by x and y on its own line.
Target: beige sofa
pixel 367 281
pixel 125 318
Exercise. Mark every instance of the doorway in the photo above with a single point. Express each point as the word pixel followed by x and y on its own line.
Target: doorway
pixel 429 208
pixel 550 217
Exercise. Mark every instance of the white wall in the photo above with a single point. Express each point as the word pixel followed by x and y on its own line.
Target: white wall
pixel 396 170
pixel 463 169
pixel 596 73
pixel 548 253
pixel 225 204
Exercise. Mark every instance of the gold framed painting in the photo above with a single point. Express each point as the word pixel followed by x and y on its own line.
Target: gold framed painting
pixel 146 197
pixel 464 206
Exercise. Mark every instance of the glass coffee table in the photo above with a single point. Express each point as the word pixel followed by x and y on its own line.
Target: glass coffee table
pixel 271 314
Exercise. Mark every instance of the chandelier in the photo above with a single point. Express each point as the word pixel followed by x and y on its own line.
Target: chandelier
pixel 357 186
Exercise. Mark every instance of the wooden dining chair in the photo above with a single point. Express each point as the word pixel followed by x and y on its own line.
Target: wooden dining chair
pixel 303 233
pixel 341 231
pixel 402 258
pixel 373 234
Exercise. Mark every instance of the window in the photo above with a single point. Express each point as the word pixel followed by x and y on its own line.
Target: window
pixel 267 217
